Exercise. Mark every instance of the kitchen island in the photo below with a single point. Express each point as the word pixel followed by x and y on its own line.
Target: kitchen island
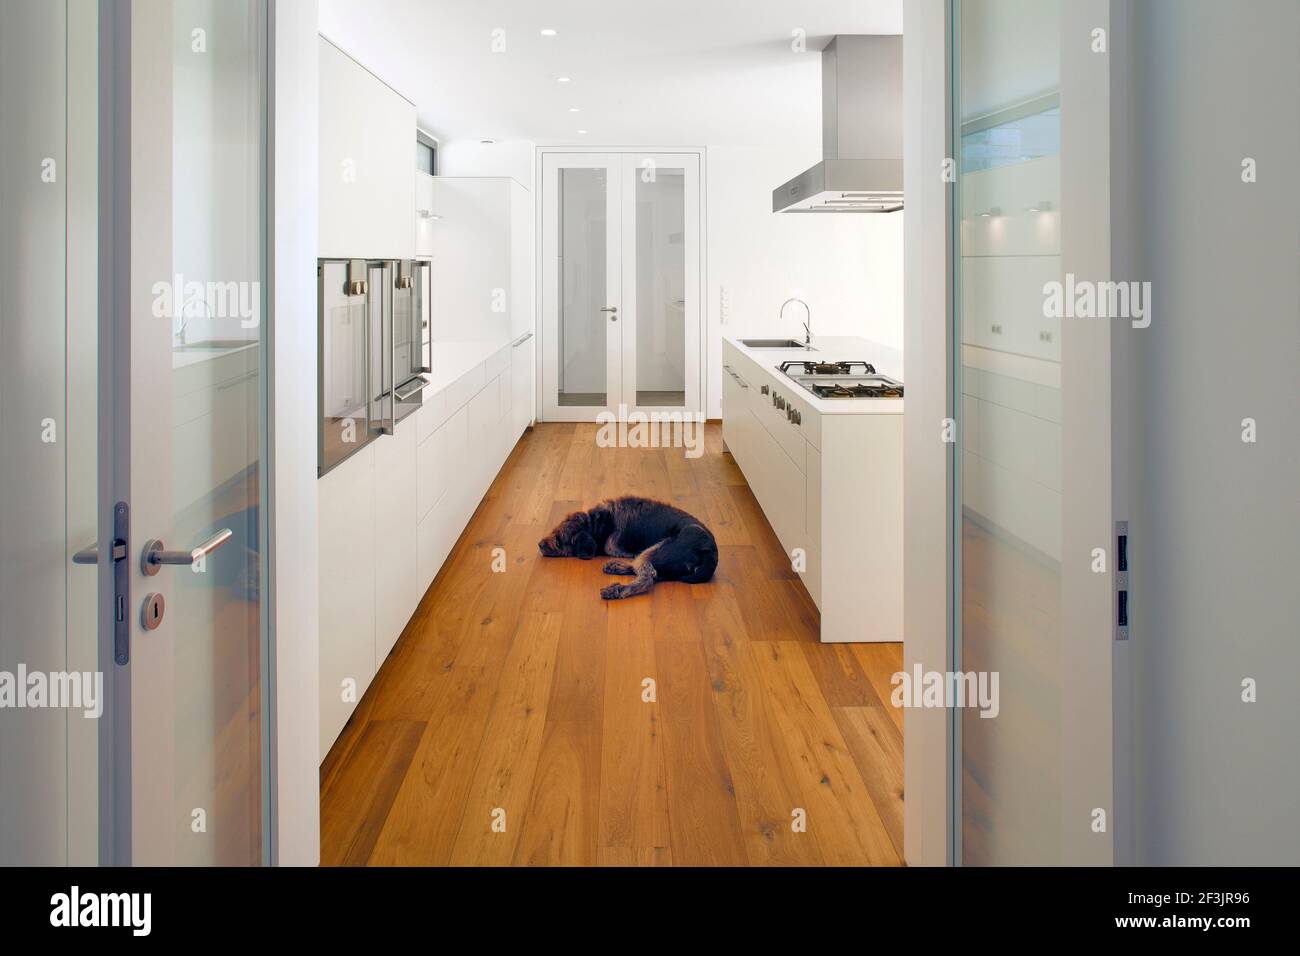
pixel 828 474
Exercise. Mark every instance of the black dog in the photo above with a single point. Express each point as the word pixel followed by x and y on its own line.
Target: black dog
pixel 664 543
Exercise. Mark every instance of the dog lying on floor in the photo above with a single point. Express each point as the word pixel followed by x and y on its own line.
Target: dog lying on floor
pixel 664 543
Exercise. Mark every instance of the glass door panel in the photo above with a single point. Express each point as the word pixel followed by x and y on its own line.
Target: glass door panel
pixel 1033 393
pixel 584 289
pixel 198 234
pixel 661 266
pixel 582 306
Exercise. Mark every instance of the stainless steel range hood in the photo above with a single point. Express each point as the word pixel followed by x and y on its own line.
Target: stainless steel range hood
pixel 862 132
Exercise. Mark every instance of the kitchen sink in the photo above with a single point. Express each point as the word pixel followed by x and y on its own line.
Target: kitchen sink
pixel 776 344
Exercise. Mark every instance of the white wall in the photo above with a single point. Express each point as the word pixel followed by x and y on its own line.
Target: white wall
pixel 293 452
pixel 847 267
pixel 1217 520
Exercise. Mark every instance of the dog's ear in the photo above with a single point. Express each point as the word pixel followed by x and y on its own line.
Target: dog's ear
pixel 584 546
pixel 600 522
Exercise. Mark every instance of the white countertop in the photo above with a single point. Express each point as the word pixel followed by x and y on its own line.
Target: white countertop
pixel 832 348
pixel 451 360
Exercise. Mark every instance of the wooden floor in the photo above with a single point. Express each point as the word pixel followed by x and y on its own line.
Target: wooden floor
pixel 522 720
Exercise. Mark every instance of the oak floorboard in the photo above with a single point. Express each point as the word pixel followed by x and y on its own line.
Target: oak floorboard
pixel 514 686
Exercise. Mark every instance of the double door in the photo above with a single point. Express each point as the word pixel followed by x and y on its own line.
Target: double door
pixel 621 284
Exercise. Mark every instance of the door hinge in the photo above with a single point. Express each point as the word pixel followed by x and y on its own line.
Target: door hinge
pixel 121 583
pixel 1121 581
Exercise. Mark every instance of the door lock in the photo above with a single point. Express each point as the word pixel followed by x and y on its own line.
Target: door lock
pixel 151 615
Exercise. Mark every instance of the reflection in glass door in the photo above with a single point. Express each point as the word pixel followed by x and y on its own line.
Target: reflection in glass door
pixel 197 483
pixel 1033 394
pixel 621 284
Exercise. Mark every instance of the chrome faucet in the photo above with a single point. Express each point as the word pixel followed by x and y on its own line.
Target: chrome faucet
pixel 807 326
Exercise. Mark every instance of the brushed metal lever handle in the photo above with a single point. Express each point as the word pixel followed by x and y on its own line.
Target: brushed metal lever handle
pixel 153 556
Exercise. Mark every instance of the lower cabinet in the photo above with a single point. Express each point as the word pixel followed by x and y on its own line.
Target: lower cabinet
pixel 831 488
pixel 397 589
pixel 346 526
pixel 391 514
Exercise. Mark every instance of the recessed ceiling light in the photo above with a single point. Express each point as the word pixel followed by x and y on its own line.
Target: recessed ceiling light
pixel 582 132
pixel 574 109
pixel 548 32
pixel 561 79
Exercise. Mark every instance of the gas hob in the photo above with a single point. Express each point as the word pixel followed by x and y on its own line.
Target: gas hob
pixel 842 379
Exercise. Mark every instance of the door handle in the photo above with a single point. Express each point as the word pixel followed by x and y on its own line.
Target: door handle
pixel 610 308
pixel 90 553
pixel 154 557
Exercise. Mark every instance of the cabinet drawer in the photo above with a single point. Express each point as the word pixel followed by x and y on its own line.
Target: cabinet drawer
pixel 766 408
pixel 498 363
pixel 466 387
pixel 780 488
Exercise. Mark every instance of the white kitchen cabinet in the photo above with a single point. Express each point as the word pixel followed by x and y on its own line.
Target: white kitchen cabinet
pixel 830 485
pixel 367 168
pixel 482 259
pixel 521 384
pixel 392 513
pixel 397 590
pixel 347 534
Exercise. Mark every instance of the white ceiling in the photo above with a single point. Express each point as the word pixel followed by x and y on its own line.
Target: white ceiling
pixel 669 72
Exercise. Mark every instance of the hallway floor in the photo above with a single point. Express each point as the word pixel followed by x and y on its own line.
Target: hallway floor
pixel 508 725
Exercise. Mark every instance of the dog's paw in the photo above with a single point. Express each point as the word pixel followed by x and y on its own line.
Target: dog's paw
pixel 613 592
pixel 618 567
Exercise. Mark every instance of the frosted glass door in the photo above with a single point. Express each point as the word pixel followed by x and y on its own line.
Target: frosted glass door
pixel 581 286
pixel 1033 487
pixel 661 267
pixel 197 425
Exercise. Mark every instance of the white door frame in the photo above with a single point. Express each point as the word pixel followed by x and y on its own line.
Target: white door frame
pixel 547 289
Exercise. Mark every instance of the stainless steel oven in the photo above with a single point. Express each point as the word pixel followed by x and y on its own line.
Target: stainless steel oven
pixel 374 332
pixel 412 349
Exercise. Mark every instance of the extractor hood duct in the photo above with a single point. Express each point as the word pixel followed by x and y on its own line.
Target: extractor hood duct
pixel 862 132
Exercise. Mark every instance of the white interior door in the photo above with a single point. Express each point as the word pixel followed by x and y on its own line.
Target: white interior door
pixel 582 281
pixel 621 284
pixel 197 552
